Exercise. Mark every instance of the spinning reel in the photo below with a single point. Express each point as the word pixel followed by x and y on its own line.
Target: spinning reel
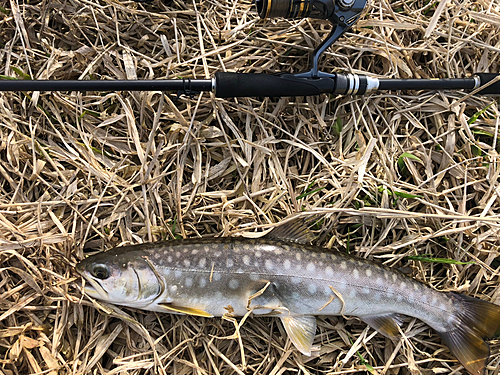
pixel 342 14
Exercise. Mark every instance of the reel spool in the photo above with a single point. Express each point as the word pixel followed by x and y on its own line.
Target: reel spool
pixel 296 9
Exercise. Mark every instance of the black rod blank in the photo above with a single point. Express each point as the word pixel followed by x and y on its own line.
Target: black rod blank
pixel 428 84
pixel 186 86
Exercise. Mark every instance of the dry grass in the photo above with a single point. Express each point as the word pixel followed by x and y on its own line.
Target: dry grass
pixel 83 171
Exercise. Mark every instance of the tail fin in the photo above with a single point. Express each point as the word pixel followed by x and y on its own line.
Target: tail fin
pixel 477 320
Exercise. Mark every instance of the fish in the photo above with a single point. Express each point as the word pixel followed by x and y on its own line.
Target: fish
pixel 281 274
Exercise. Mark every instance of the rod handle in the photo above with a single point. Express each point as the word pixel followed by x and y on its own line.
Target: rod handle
pixel 494 88
pixel 234 85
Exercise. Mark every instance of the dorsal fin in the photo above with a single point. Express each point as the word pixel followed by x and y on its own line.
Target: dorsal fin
pixel 296 230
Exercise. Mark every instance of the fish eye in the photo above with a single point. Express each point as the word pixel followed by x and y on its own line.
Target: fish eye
pixel 100 271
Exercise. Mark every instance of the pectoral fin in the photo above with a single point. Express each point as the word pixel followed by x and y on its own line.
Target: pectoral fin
pixel 184 310
pixel 301 330
pixel 388 325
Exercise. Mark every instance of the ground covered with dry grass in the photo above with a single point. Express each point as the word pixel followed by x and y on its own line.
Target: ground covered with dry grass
pixel 393 174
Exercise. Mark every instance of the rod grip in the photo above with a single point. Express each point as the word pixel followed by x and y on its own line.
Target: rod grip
pixel 494 88
pixel 234 85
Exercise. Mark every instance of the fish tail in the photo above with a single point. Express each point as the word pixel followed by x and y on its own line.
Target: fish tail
pixel 477 320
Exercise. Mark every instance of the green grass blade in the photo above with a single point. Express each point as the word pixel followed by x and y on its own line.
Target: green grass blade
pixel 401 162
pixel 436 260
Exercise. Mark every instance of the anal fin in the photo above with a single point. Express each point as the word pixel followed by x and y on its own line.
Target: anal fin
pixel 301 330
pixel 387 325
pixel 184 310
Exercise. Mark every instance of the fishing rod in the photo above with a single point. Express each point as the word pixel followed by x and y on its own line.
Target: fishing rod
pixel 342 14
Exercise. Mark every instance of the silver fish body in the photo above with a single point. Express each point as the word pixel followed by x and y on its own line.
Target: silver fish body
pixel 213 277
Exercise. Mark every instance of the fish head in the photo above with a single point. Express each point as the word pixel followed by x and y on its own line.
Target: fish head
pixel 121 278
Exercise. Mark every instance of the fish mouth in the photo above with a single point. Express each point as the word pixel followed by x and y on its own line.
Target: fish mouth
pixel 93 288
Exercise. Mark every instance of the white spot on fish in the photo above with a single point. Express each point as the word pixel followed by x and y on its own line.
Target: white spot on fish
pixel 287 264
pixel 202 262
pixel 334 257
pixel 399 297
pixel 298 256
pixel 246 247
pixel 254 277
pixel 202 282
pixel 178 274
pixel 277 251
pixel 216 276
pixel 186 262
pixel 258 254
pixel 368 272
pixel 311 288
pixel 229 263
pixel 352 293
pixel 386 275
pixel 217 253
pixel 178 254
pixel 269 264
pixel 403 285
pixel 367 291
pixel 343 265
pixel 188 282
pixel 246 259
pixel 173 288
pixel 296 280
pixel 379 281
pixel 169 259
pixel 394 277
pixel 323 256
pixel 329 271
pixel 234 284
pixel 311 267
pixel 206 248
pixel 415 286
pixel 355 273
pixel 194 252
